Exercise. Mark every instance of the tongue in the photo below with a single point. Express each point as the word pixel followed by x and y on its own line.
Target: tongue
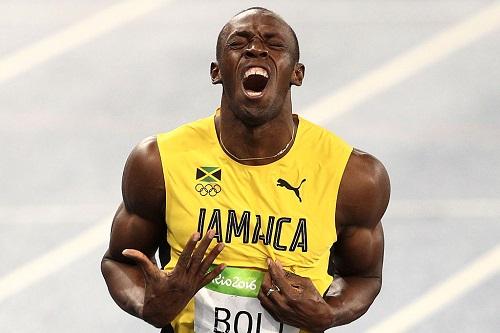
pixel 255 83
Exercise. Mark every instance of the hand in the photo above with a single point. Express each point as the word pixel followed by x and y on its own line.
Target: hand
pixel 295 301
pixel 166 294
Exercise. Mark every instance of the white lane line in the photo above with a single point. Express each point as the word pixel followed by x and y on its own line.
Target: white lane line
pixel 407 64
pixel 445 208
pixel 75 35
pixel 37 214
pixel 55 259
pixel 441 295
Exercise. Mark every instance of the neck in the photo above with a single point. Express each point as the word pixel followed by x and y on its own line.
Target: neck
pixel 255 145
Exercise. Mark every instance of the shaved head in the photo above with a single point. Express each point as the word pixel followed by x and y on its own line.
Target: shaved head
pixel 224 31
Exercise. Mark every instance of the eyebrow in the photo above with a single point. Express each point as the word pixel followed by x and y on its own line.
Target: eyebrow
pixel 247 34
pixel 241 33
pixel 272 34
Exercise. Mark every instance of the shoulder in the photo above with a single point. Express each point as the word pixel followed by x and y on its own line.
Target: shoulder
pixel 187 135
pixel 364 191
pixel 143 187
pixel 144 157
pixel 323 141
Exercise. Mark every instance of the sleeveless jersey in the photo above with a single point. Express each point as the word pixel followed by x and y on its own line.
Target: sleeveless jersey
pixel 284 210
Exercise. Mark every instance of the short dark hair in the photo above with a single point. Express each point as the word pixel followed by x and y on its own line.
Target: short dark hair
pixel 223 33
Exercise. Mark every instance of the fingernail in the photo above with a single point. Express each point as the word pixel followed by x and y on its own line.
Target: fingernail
pixel 196 236
pixel 125 251
pixel 220 246
pixel 269 261
pixel 211 233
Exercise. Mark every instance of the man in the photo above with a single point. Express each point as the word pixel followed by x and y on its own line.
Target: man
pixel 286 201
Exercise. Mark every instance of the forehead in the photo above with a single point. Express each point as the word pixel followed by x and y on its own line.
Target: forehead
pixel 258 22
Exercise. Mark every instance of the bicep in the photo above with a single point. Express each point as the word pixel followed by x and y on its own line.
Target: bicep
pixel 363 198
pixel 139 222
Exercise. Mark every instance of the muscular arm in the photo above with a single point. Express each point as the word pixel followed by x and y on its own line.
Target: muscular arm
pixel 357 256
pixel 138 224
pixel 134 281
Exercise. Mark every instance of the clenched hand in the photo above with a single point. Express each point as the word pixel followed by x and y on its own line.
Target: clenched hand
pixel 295 301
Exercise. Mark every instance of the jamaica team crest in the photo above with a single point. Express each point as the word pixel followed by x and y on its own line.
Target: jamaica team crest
pixel 208 178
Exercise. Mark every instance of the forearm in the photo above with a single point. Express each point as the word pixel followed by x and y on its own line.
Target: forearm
pixel 125 284
pixel 351 297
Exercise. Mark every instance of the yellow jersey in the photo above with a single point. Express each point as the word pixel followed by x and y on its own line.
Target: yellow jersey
pixel 284 210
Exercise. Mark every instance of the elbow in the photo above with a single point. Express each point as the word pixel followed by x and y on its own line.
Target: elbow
pixel 105 263
pixel 126 292
pixel 355 303
pixel 365 304
pixel 377 287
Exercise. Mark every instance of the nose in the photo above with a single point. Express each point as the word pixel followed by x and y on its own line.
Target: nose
pixel 256 49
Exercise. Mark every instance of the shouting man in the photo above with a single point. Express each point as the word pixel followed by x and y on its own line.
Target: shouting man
pixel 294 210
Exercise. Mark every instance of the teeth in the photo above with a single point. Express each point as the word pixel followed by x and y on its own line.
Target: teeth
pixel 256 71
pixel 254 93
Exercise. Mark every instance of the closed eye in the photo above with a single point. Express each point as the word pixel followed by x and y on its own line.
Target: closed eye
pixel 276 44
pixel 237 43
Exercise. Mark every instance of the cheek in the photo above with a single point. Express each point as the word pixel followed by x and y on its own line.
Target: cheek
pixel 228 69
pixel 285 67
pixel 285 76
pixel 231 59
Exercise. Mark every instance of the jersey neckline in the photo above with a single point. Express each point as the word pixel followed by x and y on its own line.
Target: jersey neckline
pixel 282 159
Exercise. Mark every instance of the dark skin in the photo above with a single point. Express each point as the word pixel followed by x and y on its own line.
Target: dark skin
pixel 134 280
pixel 254 127
pixel 249 127
pixel 357 256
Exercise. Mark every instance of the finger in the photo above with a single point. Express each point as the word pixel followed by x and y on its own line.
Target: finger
pixel 266 286
pixel 142 260
pixel 275 296
pixel 266 282
pixel 278 276
pixel 278 310
pixel 268 305
pixel 200 250
pixel 185 256
pixel 212 275
pixel 209 259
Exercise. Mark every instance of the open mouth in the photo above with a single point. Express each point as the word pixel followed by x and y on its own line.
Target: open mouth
pixel 255 81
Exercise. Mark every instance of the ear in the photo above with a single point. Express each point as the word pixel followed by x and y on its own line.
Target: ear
pixel 298 74
pixel 215 73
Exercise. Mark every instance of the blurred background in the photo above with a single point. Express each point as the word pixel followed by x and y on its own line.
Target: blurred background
pixel 415 83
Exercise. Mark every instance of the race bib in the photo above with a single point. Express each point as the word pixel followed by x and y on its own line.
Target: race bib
pixel 229 304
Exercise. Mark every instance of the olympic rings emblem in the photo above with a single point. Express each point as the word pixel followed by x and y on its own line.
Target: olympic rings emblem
pixel 211 190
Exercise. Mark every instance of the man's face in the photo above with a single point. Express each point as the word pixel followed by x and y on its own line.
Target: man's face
pixel 257 66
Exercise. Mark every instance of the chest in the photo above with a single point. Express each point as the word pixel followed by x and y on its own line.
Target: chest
pixel 284 211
